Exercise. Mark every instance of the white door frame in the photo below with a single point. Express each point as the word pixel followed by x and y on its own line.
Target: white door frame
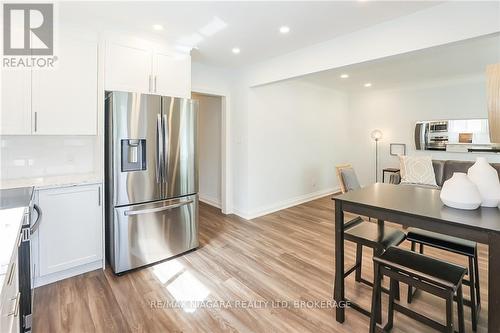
pixel 226 205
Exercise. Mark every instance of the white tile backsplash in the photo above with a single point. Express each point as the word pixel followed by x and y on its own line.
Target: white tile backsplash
pixel 42 156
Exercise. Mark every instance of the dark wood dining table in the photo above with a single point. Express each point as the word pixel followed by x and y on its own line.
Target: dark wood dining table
pixel 422 208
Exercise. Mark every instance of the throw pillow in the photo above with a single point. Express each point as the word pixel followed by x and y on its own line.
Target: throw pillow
pixel 417 170
pixel 350 180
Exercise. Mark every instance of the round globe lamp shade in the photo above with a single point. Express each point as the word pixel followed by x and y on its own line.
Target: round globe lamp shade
pixel 376 135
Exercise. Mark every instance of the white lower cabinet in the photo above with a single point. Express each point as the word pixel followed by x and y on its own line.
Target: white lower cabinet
pixel 10 297
pixel 69 239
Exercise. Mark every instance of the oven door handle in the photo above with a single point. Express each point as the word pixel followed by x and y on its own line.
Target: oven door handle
pixel 35 225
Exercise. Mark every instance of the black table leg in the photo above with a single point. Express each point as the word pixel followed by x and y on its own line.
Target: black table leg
pixel 380 224
pixel 494 283
pixel 338 291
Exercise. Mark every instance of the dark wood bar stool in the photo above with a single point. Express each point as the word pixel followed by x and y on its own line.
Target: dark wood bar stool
pixel 375 236
pixel 434 276
pixel 455 245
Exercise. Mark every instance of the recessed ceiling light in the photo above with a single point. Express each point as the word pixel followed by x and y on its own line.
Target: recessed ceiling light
pixel 236 50
pixel 284 29
pixel 157 27
pixel 344 76
pixel 368 85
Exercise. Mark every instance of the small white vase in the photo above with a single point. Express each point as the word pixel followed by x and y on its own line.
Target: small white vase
pixel 486 179
pixel 460 192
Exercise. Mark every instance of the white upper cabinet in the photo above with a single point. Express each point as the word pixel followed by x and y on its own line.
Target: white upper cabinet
pixel 141 67
pixel 15 113
pixel 64 100
pixel 172 74
pixel 128 68
pixel 57 101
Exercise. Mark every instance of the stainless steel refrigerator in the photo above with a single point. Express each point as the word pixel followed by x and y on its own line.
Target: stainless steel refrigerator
pixel 151 178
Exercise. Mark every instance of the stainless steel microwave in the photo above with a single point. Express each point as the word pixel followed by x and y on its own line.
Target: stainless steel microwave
pixel 431 135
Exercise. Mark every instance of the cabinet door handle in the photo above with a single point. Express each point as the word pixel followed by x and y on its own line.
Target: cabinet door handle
pixel 155 84
pixel 99 195
pixel 150 80
pixel 35 225
pixel 36 121
pixel 15 311
pixel 11 273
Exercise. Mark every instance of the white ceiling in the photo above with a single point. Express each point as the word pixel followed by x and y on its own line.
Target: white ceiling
pixel 251 26
pixel 457 60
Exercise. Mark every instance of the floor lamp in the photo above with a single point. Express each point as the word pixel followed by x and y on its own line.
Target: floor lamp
pixel 376 135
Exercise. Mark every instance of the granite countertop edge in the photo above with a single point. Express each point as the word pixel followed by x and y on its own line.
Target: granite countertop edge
pixel 42 183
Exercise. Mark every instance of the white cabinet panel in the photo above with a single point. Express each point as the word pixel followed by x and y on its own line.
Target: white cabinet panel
pixel 64 100
pixel 128 68
pixel 173 75
pixel 70 233
pixel 16 102
pixel 9 301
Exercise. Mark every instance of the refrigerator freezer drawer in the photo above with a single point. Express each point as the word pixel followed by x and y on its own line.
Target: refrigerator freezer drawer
pixel 151 232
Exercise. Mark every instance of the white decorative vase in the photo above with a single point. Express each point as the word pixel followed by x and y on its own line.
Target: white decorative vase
pixel 486 179
pixel 460 192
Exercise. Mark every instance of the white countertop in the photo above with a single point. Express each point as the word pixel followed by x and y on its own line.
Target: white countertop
pixel 468 144
pixel 52 181
pixel 10 227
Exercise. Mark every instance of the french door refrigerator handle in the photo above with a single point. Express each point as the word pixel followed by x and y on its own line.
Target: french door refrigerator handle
pixel 159 150
pixel 158 209
pixel 166 143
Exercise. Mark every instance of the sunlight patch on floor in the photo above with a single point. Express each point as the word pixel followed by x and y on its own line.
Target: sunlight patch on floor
pixel 167 270
pixel 188 289
pixel 181 284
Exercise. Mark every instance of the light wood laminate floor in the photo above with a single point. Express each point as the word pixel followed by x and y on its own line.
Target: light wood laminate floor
pixel 285 256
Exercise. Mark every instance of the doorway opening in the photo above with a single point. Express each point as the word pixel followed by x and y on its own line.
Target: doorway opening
pixel 212 149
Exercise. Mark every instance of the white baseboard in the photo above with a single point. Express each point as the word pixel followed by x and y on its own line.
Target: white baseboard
pixel 210 201
pixel 240 213
pixel 285 204
pixel 54 277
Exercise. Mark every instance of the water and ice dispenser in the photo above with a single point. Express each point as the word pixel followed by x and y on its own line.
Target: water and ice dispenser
pixel 133 155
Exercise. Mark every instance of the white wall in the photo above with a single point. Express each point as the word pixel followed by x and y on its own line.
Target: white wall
pixel 209 148
pixel 445 23
pixel 297 134
pixel 396 111
pixel 209 79
pixel 264 176
pixel 230 83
